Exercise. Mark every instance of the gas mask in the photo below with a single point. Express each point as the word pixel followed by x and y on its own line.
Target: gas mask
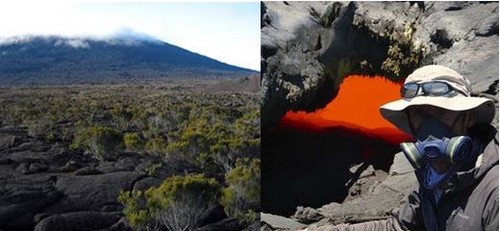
pixel 456 150
pixel 436 147
pixel 421 155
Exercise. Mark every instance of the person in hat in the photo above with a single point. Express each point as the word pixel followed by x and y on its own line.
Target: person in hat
pixel 454 154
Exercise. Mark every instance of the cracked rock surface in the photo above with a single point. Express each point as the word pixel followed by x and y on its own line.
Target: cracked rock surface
pixel 44 186
pixel 309 47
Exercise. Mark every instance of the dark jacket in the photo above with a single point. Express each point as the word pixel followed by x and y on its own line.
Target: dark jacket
pixel 469 202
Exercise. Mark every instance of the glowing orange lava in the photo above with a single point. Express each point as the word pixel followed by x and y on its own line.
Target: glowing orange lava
pixel 356 107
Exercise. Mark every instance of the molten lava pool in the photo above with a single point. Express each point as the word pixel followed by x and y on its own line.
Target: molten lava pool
pixel 306 157
pixel 355 107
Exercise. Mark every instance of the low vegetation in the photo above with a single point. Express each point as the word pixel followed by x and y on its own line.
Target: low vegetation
pixel 241 198
pixel 216 132
pixel 178 204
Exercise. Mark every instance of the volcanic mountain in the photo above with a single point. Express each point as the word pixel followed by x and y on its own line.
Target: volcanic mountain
pixel 54 60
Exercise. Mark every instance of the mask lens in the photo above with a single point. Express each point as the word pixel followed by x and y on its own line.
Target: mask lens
pixel 409 90
pixel 435 88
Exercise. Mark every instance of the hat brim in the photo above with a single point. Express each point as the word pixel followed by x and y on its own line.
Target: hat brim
pixel 394 112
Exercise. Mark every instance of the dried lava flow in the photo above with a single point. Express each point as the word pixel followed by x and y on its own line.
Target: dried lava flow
pixel 356 107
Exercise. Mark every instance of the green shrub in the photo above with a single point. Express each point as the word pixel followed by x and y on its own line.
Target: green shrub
pixel 153 168
pixel 118 111
pixel 132 141
pixel 177 204
pixel 242 196
pixel 50 137
pixel 156 145
pixel 192 144
pixel 158 125
pixel 99 141
pixel 40 127
pixel 137 216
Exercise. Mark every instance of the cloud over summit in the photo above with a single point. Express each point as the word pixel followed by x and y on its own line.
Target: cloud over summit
pixel 229 32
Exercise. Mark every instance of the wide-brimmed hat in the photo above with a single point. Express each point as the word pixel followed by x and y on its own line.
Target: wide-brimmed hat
pixel 483 108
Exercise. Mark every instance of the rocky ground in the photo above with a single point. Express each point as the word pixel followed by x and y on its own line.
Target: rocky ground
pixel 309 47
pixel 38 178
pixel 47 186
pixel 374 195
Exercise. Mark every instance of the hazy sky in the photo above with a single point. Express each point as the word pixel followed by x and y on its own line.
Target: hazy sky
pixel 228 32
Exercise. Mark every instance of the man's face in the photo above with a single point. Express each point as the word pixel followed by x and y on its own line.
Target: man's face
pixel 456 122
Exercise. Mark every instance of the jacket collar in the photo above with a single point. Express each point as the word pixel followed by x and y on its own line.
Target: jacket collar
pixel 462 180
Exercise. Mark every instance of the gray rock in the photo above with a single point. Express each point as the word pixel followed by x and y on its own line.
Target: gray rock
pixel 121 225
pixel 398 185
pixel 32 145
pixel 40 216
pixel 23 168
pixel 400 165
pixel 6 161
pixel 29 156
pixel 369 171
pixel 37 167
pixel 381 18
pixel 432 7
pixel 78 221
pixel 253 227
pixel 290 51
pixel 356 188
pixel 329 207
pixel 124 163
pixel 89 170
pixel 111 207
pixel 279 222
pixel 401 179
pixel 6 141
pixel 364 208
pixel 92 192
pixel 128 163
pixel 71 166
pixel 265 227
pixel 106 167
pixel 15 217
pixel 356 168
pixel 379 201
pixel 146 183
pixel 307 215
pixel 228 224
pixel 488 26
pixel 19 203
pixel 482 71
